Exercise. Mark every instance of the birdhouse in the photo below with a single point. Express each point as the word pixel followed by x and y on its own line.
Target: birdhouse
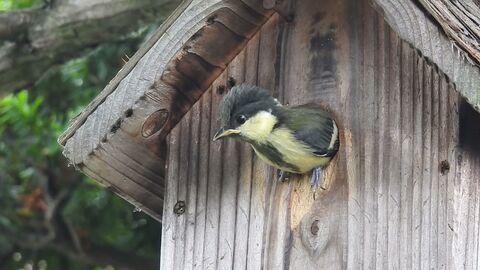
pixel 403 82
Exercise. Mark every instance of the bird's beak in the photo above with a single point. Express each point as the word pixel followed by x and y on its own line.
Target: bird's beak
pixel 224 133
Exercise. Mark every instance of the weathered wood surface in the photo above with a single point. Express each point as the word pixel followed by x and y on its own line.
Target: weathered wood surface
pixel 460 20
pixel 414 26
pixel 403 189
pixel 118 138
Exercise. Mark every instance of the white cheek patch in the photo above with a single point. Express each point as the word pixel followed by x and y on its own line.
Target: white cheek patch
pixel 259 126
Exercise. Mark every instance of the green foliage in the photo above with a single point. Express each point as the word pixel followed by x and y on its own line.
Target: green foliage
pixel 79 81
pixel 120 226
pixel 33 171
pixel 17 113
pixel 7 5
pixel 27 145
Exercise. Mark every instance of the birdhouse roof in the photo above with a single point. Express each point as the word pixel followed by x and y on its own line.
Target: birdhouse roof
pixel 115 139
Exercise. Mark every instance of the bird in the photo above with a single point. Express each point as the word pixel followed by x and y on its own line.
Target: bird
pixel 294 139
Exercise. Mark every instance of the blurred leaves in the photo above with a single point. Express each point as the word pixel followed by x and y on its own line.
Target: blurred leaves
pixel 8 5
pixel 45 202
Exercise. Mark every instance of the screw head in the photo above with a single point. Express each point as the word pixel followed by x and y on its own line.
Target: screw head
pixel 179 208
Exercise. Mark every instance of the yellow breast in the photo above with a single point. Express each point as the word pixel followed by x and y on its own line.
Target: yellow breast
pixel 293 152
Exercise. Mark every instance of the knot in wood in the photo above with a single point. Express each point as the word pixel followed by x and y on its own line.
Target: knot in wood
pixel 179 208
pixel 314 228
pixel 154 123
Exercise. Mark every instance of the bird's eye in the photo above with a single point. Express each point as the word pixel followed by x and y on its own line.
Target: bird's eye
pixel 241 119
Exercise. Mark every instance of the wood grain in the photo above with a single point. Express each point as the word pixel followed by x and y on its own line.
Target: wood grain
pixel 414 26
pixel 460 20
pixel 391 204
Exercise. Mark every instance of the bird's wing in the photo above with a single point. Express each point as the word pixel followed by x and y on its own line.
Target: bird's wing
pixel 315 128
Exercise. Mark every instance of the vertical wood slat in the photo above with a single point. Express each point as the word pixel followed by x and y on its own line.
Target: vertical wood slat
pixel 201 203
pixel 228 200
pixel 389 206
pixel 464 191
pixel 244 184
pixel 192 191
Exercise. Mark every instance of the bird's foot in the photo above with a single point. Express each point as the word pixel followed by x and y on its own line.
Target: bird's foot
pixel 316 178
pixel 283 176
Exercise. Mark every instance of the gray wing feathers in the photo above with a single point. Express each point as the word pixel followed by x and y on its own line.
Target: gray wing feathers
pixel 315 128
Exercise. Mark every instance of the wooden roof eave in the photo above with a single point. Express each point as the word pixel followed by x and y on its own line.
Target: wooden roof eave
pixel 163 33
pixel 414 25
pixel 116 138
pixel 461 22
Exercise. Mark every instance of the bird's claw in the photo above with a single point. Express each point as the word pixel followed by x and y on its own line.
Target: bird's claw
pixel 316 178
pixel 283 176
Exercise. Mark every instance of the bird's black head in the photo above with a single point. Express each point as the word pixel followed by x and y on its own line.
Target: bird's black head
pixel 247 109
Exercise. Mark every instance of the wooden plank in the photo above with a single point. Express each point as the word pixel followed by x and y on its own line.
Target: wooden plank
pixel 465 191
pixel 414 25
pixel 237 70
pixel 201 203
pixel 169 222
pixel 193 156
pixel 183 187
pixel 214 188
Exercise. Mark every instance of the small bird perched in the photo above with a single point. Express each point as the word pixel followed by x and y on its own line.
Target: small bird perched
pixel 295 139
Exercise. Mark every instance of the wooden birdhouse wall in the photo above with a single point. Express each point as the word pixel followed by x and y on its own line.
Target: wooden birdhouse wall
pixel 402 192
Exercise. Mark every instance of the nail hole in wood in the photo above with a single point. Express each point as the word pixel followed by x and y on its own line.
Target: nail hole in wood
pixel 179 208
pixel 195 35
pixel 211 19
pixel 116 126
pixel 231 82
pixel 154 123
pixel 221 89
pixel 444 167
pixel 79 166
pixel 129 113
